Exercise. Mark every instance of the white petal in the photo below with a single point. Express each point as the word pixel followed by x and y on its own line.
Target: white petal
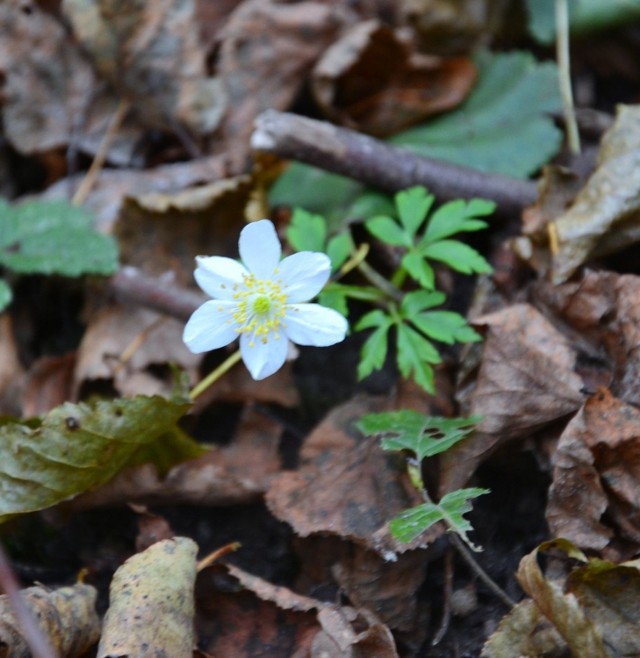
pixel 312 324
pixel 217 275
pixel 260 248
pixel 304 274
pixel 211 326
pixel 263 359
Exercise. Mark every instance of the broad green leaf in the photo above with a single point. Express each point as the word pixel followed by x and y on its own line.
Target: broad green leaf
pixel 306 232
pixel 413 205
pixel 389 231
pixel 415 354
pixel 375 318
pixel 332 296
pixel 458 256
pixel 425 436
pixel 338 249
pixel 419 269
pixel 374 351
pixel 53 237
pixel 419 300
pixel 504 126
pixel 6 295
pixel 446 326
pixel 413 522
pixel 76 447
pixel 369 204
pixel 455 217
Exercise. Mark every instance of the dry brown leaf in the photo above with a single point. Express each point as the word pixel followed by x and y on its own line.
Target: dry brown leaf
pixel 371 81
pixel 526 380
pixel 267 49
pixel 597 470
pixel 152 56
pixel 48 384
pixel 151 603
pixel 235 474
pixel 152 528
pixel 153 339
pixel 11 369
pixel 67 617
pixel 605 216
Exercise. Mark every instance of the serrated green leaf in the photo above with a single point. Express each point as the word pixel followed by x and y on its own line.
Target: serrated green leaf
pixel 414 356
pixel 6 295
pixel 306 231
pixel 389 231
pixel 374 349
pixel 418 268
pixel 338 249
pixel 458 256
pixel 76 447
pixel 419 300
pixel 413 205
pixel 425 436
pixel 54 237
pixel 504 126
pixel 369 204
pixel 413 522
pixel 446 326
pixel 455 217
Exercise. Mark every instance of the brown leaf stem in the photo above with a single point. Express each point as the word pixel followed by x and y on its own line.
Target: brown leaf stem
pixel 380 165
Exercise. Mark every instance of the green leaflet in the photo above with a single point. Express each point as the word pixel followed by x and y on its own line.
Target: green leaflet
pixel 76 447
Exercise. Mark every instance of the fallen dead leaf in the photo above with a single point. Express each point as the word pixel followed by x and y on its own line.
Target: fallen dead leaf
pixel 67 617
pixel 48 383
pixel 526 380
pixel 371 81
pixel 11 369
pixel 151 603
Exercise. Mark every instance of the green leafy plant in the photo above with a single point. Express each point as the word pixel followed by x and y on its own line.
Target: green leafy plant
pixel 414 315
pixel 422 437
pixel 51 237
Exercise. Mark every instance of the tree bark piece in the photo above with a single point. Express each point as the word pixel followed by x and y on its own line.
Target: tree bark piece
pixel 380 165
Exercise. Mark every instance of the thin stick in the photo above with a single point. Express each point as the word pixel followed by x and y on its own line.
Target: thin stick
pixel 213 376
pixel 31 632
pixel 98 161
pixel 564 75
pixel 380 165
pixel 458 544
pixel 447 593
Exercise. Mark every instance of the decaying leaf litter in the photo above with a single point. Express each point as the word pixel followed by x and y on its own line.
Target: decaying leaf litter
pixel 195 109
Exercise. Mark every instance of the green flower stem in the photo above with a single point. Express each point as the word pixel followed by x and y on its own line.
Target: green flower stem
pixel 399 277
pixel 354 261
pixel 564 74
pixel 380 282
pixel 214 375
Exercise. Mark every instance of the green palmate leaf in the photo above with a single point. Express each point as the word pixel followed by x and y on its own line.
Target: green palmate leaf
pixel 455 217
pixel 76 447
pixel 458 256
pixel 374 350
pixel 419 300
pixel 53 237
pixel 425 436
pixel 413 205
pixel 446 326
pixel 370 204
pixel 412 522
pixel 419 269
pixel 5 295
pixel 504 126
pixel 389 231
pixel 306 232
pixel 415 354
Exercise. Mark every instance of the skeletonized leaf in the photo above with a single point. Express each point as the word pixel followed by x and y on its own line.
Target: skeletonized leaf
pixel 67 617
pixel 151 603
pixel 76 447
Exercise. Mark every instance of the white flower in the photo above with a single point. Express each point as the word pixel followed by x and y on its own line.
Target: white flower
pixel 260 301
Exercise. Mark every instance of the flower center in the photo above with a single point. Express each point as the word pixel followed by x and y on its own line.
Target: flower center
pixel 261 308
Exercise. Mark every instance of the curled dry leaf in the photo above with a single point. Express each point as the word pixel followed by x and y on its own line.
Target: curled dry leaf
pixel 267 48
pixel 151 603
pixel 597 470
pixel 151 54
pixel 526 380
pixel 605 216
pixel 370 80
pixel 67 617
pixel 11 369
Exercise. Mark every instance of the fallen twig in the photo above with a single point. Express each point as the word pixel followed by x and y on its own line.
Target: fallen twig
pixel 375 163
